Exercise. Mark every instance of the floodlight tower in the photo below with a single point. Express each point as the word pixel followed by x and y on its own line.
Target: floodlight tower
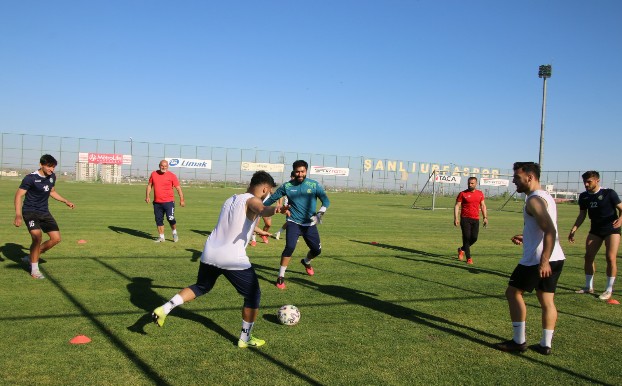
pixel 544 72
pixel 131 157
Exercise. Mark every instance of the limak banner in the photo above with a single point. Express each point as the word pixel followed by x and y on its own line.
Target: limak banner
pixel 104 158
pixel 189 163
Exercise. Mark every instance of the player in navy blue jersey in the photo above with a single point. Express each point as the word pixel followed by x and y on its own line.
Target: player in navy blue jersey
pixel 38 187
pixel 302 195
pixel 604 208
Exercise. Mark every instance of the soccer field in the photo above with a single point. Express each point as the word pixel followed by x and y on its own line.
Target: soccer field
pixel 401 311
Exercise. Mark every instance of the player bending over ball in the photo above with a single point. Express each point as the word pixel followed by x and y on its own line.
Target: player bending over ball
pixel 224 254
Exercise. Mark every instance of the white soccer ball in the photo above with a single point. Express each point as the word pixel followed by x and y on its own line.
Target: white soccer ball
pixel 289 315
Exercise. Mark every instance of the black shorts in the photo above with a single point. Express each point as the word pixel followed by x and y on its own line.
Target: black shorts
pixel 245 282
pixel 527 277
pixel 603 233
pixel 38 220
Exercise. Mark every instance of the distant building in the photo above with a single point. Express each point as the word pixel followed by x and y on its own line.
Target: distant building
pixel 109 174
pixel 86 171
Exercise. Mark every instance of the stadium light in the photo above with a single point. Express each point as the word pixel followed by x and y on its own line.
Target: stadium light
pixel 544 72
pixel 131 157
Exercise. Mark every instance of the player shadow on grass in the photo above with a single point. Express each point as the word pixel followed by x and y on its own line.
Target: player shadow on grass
pixel 398 248
pixel 144 297
pixel 453 263
pixel 131 232
pixel 367 299
pixel 354 296
pixel 15 253
pixel 459 265
pixel 196 254
pixel 202 233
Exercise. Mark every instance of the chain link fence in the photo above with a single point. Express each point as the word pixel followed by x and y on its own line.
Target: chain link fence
pixel 20 154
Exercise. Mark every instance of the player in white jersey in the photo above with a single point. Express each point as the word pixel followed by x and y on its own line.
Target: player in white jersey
pixel 541 264
pixel 225 254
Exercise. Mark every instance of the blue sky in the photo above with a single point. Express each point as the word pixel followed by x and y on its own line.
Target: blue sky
pixel 426 81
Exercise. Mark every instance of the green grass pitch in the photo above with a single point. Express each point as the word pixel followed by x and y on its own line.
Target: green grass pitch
pixel 402 311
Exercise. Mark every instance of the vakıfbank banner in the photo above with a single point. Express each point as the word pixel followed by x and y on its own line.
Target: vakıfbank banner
pixel 329 171
pixel 256 166
pixel 494 182
pixel 189 163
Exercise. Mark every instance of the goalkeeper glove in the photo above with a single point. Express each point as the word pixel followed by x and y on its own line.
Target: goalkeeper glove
pixel 317 218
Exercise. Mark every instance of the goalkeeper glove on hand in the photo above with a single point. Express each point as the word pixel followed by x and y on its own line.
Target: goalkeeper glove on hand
pixel 317 218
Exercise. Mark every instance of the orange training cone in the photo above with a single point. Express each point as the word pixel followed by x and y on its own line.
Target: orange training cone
pixel 613 301
pixel 82 241
pixel 80 339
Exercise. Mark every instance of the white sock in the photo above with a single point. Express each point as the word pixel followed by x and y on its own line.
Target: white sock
pixel 34 267
pixel 547 338
pixel 589 281
pixel 175 301
pixel 610 281
pixel 519 332
pixel 174 231
pixel 245 335
pixel 282 271
pixel 254 238
pixel 162 235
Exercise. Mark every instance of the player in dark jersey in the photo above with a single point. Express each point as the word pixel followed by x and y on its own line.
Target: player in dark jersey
pixel 601 204
pixel 38 187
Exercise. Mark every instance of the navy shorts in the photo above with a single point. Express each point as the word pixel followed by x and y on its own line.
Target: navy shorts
pixel 244 281
pixel 38 220
pixel 527 277
pixel 309 234
pixel 162 208
pixel 603 233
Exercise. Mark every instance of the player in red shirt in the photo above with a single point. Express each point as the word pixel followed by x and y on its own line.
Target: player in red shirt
pixel 471 201
pixel 162 182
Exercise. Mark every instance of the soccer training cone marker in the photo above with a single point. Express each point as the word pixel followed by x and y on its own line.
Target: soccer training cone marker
pixel 82 241
pixel 374 243
pixel 80 339
pixel 613 301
